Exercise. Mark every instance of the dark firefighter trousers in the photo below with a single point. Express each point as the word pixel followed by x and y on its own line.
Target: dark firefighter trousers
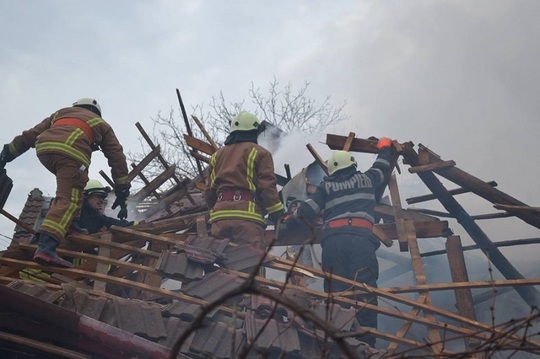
pixel 354 258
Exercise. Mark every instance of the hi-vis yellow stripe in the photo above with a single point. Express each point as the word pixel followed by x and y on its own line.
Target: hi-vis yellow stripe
pixel 94 122
pixel 62 147
pixel 74 136
pixel 213 173
pixel 235 214
pixel 61 227
pixel 250 171
pixel 278 206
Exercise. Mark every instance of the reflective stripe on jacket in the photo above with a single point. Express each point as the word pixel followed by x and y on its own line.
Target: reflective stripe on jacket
pixel 73 142
pixel 349 193
pixel 244 166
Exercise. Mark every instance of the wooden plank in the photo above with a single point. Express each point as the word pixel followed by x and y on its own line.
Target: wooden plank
pixel 432 166
pixel 348 142
pixel 153 185
pixel 402 331
pixel 460 285
pixel 137 170
pixel 407 238
pixel 410 213
pixel 205 133
pixel 101 267
pixel 453 192
pixel 199 145
pixel 336 142
pixel 400 222
pixel 379 233
pixel 200 157
pixel 318 158
pixel 458 272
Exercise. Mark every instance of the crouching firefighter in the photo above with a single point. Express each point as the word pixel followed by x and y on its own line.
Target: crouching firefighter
pixel 64 143
pixel 347 198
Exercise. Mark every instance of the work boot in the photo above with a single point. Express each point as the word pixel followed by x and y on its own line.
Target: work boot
pixel 46 252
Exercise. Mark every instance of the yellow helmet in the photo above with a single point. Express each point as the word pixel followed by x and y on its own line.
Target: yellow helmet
pixel 89 103
pixel 95 187
pixel 339 160
pixel 244 121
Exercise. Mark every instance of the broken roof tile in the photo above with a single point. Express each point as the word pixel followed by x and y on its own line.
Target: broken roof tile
pixel 213 286
pixel 269 334
pixel 241 257
pixel 178 266
pixel 140 318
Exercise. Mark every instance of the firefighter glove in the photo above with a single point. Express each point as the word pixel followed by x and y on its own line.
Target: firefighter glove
pixel 5 156
pixel 384 142
pixel 123 213
pixel 122 193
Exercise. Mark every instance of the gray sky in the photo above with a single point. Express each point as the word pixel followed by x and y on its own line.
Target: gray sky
pixel 458 76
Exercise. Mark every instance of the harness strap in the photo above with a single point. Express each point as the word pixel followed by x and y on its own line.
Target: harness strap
pixel 76 122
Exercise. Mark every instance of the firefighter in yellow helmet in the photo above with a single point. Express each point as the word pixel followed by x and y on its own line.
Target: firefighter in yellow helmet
pixel 347 199
pixel 64 143
pixel 241 185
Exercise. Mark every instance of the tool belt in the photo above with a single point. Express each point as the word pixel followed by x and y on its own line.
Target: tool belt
pixel 236 195
pixel 76 122
pixel 353 222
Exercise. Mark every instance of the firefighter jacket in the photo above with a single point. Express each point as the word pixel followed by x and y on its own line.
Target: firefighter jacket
pixel 349 193
pixel 94 221
pixel 242 167
pixel 75 132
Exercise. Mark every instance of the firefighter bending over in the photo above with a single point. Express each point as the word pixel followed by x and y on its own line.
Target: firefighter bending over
pixel 241 185
pixel 64 143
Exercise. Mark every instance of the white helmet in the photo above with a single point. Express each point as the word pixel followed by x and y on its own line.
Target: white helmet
pixel 86 101
pixel 339 160
pixel 95 187
pixel 244 121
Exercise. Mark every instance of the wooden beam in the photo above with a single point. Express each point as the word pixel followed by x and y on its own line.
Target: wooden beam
pixel 336 142
pixel 458 272
pixel 455 191
pixel 199 145
pixel 153 185
pixel 432 166
pixel 137 170
pixel 348 142
pixel 205 133
pixel 318 158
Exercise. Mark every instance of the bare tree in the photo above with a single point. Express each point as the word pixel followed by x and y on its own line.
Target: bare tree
pixel 283 107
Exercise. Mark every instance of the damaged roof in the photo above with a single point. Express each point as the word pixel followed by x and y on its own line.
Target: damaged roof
pixel 167 279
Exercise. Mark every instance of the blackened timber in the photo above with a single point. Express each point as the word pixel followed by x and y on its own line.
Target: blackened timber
pixel 529 294
pixel 336 142
pixel 154 184
pixel 484 190
pixel 429 197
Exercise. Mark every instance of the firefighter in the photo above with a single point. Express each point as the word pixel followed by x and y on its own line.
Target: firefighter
pixel 93 218
pixel 347 200
pixel 241 185
pixel 64 143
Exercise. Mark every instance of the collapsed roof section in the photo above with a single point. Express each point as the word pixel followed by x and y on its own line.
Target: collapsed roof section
pixel 117 305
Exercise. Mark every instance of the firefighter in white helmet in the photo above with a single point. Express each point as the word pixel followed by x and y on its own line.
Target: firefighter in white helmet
pixel 347 199
pixel 64 143
pixel 241 185
pixel 93 218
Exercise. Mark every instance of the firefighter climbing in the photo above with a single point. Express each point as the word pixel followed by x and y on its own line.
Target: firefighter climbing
pixel 64 143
